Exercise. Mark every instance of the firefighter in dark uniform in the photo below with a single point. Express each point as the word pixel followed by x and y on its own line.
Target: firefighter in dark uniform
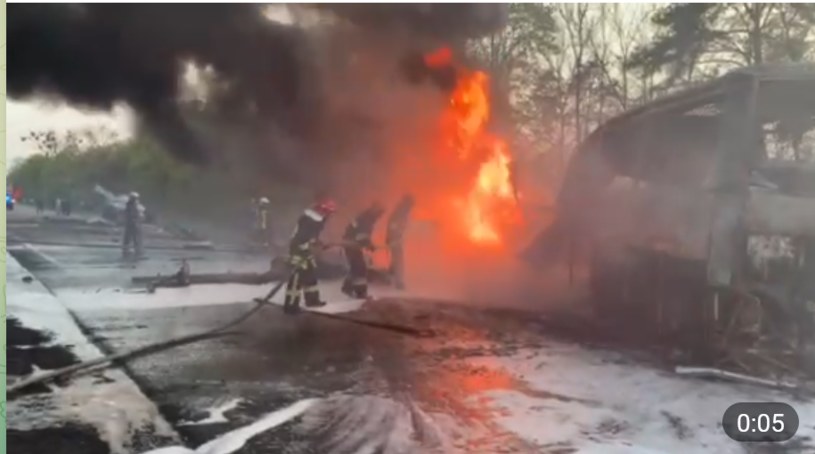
pixel 394 237
pixel 356 238
pixel 132 230
pixel 303 263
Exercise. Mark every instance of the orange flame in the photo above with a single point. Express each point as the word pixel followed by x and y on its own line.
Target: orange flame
pixel 487 205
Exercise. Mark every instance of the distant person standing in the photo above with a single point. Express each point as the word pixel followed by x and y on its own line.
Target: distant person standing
pixel 252 215
pixel 394 238
pixel 66 207
pixel 513 178
pixel 263 227
pixel 40 205
pixel 132 230
pixel 17 193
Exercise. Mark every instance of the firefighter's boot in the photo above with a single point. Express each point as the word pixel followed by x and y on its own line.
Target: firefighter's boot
pixel 361 291
pixel 348 288
pixel 313 304
pixel 311 295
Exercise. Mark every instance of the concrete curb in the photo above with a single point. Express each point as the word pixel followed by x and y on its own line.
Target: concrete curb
pixel 192 246
pixel 114 405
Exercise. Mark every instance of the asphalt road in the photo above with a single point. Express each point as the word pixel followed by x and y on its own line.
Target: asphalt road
pixel 490 381
pixel 373 382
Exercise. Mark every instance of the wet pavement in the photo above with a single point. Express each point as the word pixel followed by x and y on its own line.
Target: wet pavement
pixel 490 381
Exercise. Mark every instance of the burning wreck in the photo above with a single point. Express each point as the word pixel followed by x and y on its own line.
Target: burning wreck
pixel 472 194
pixel 695 216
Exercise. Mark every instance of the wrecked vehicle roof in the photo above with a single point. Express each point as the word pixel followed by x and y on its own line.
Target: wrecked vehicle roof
pixel 714 90
pixel 786 91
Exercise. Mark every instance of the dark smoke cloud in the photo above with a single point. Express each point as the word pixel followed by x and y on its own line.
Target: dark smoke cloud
pixel 95 55
pixel 444 22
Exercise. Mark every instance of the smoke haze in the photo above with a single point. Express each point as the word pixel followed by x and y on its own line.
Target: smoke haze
pixel 288 97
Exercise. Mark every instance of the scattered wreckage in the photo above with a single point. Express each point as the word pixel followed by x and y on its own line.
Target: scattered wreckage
pixel 695 218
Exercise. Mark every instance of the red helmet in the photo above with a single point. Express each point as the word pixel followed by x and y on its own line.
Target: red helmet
pixel 326 206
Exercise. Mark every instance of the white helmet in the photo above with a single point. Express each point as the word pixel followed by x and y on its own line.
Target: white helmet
pixel 134 195
pixel 264 201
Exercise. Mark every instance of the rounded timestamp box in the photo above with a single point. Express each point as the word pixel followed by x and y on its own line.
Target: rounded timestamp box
pixel 760 421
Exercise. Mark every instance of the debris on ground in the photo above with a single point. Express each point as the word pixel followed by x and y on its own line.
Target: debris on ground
pixel 709 372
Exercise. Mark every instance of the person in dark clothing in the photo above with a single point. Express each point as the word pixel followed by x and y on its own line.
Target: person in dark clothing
pixel 66 207
pixel 303 263
pixel 40 205
pixel 513 178
pixel 132 230
pixel 357 237
pixel 252 216
pixel 394 238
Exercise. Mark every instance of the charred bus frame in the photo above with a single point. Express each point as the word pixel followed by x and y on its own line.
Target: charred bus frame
pixel 664 202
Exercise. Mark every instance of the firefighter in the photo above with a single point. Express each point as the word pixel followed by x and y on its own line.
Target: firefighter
pixel 132 231
pixel 303 263
pixel 66 207
pixel 513 178
pixel 252 216
pixel 357 237
pixel 394 238
pixel 262 228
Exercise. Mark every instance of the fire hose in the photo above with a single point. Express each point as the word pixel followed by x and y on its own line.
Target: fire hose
pixel 219 331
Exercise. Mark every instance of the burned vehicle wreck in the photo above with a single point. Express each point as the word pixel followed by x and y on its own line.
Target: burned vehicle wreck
pixel 694 215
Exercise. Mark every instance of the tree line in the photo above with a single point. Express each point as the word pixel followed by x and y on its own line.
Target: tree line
pixel 570 67
pixel 68 166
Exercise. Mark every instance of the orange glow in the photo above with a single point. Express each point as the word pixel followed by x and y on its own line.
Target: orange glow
pixel 439 58
pixel 484 203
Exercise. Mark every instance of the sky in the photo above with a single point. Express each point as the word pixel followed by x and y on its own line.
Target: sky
pixel 23 117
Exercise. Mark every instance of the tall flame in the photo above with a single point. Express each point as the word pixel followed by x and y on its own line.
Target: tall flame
pixel 487 206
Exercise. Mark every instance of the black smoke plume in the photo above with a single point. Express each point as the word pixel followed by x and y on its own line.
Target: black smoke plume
pixel 95 55
pixel 444 22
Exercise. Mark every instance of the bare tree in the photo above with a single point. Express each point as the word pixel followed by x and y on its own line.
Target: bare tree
pixel 703 40
pixel 578 26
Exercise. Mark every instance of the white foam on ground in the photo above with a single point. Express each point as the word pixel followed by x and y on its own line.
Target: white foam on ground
pixel 39 248
pixel 215 414
pixel 366 424
pixel 608 406
pixel 115 406
pixel 91 299
pixel 234 440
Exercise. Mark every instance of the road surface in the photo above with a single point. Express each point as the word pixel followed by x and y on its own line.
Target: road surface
pixel 490 381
